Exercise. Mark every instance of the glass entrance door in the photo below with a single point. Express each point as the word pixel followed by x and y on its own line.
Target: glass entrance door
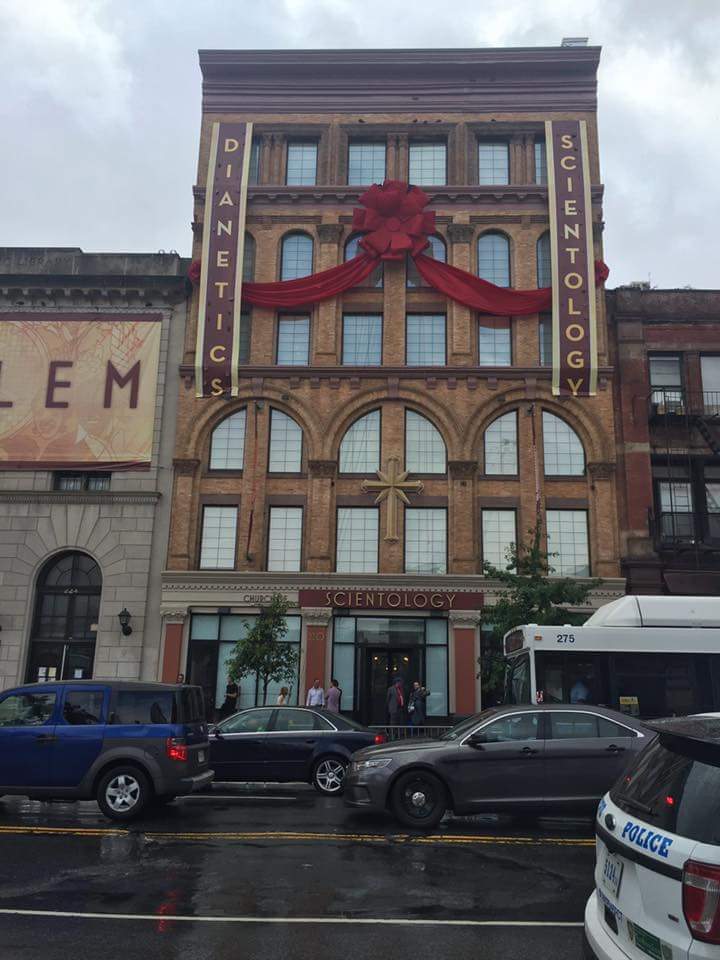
pixel 382 667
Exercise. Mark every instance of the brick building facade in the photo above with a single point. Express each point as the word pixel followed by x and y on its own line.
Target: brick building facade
pixel 80 545
pixel 667 361
pixel 268 489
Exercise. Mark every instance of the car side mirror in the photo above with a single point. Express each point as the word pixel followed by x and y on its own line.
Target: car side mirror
pixel 476 740
pixel 215 732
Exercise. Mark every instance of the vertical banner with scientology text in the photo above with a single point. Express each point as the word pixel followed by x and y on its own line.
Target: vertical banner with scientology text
pixel 574 320
pixel 218 330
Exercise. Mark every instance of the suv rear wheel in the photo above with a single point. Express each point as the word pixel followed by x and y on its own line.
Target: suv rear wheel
pixel 123 793
pixel 329 775
pixel 419 800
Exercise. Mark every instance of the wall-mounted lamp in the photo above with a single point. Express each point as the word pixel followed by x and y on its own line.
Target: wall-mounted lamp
pixel 124 618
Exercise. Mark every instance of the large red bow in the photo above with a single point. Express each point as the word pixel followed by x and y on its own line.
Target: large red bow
pixel 394 219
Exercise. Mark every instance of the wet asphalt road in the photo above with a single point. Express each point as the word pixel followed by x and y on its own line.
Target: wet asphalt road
pixel 263 871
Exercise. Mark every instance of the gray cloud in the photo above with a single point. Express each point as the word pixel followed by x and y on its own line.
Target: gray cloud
pixel 101 111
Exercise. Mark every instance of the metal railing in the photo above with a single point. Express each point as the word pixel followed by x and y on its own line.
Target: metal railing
pixel 407 732
pixel 678 402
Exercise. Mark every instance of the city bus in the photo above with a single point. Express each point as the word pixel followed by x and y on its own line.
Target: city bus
pixel 645 656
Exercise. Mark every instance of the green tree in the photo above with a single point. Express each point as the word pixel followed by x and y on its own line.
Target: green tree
pixel 263 651
pixel 530 595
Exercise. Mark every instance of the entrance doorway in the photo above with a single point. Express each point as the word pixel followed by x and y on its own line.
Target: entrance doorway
pixel 382 667
pixel 67 607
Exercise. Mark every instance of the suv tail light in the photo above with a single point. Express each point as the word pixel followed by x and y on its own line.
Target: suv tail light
pixel 176 748
pixel 701 900
pixel 380 738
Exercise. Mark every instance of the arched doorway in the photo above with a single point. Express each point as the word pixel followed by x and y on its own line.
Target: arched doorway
pixel 65 621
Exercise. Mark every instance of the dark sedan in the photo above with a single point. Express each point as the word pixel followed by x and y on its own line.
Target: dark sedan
pixel 287 745
pixel 521 759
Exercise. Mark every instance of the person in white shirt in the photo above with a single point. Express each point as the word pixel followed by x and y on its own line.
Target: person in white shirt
pixel 315 696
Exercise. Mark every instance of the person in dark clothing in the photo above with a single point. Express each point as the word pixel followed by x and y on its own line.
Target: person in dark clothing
pixel 395 702
pixel 416 704
pixel 231 698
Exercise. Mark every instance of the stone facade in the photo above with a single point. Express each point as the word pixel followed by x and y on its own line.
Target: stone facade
pixel 123 528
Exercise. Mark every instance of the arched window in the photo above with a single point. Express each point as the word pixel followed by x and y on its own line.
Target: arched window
pixel 544 268
pixel 352 249
pixel 227 443
pixel 424 445
pixel 563 449
pixel 67 611
pixel 248 259
pixel 360 447
pixel 285 444
pixel 493 252
pixel 296 257
pixel 436 250
pixel 501 455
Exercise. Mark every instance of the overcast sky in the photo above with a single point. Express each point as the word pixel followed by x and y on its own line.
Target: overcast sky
pixel 100 111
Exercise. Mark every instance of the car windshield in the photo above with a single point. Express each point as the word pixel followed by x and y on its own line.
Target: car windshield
pixel 465 726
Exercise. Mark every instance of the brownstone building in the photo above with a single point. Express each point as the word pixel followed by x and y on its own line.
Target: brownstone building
pixel 272 489
pixel 668 420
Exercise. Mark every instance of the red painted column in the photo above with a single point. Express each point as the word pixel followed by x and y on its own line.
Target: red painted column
pixel 172 651
pixel 464 627
pixel 315 654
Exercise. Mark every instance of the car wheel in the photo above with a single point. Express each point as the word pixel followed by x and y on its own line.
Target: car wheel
pixel 419 799
pixel 123 793
pixel 329 775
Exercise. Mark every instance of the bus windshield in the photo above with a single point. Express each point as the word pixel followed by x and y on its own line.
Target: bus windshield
pixel 517 679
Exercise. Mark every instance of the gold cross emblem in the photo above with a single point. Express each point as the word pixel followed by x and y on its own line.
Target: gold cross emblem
pixel 391 486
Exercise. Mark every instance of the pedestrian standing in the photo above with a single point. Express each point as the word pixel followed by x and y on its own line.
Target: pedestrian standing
pixel 333 697
pixel 416 704
pixel 395 702
pixel 315 695
pixel 231 697
pixel 283 697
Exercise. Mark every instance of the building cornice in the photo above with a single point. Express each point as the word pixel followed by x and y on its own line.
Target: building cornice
pixel 65 498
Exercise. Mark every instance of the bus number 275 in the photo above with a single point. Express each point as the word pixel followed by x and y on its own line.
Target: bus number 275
pixel 565 637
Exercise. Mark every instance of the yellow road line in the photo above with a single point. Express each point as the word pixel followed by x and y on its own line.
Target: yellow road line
pixel 284 835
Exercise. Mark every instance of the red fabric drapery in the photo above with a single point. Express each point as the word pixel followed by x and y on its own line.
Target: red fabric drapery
pixel 312 289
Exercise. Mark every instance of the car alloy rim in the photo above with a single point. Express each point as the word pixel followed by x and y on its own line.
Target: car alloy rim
pixel 330 775
pixel 419 799
pixel 122 793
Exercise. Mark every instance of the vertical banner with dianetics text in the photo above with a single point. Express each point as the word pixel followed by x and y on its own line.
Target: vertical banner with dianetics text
pixel 573 273
pixel 219 313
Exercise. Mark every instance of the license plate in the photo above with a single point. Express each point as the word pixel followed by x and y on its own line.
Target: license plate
pixel 201 756
pixel 611 875
pixel 648 942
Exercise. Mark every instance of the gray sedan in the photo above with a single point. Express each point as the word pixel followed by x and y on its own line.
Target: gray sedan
pixel 521 759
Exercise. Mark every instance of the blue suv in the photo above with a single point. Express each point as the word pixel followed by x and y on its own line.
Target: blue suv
pixel 125 744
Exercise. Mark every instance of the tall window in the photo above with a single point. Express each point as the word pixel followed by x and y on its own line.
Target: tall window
pixel 544 265
pixel 540 162
pixel 285 444
pixel 677 522
pixel 362 340
pixel 248 271
pixel 424 445
pixel 293 349
pixel 425 339
pixel 495 342
pixel 357 540
pixel 436 250
pixel 498 535
pixel 296 258
pixel 494 259
pixel 360 447
pixel 710 375
pixel 563 450
pixel 227 443
pixel 254 162
pixel 244 338
pixel 301 164
pixel 64 628
pixel 285 538
pixel 567 536
pixel 428 164
pixel 545 340
pixel 217 541
pixel 666 380
pixel 501 445
pixel 352 249
pixel 366 163
pixel 493 163
pixel 425 540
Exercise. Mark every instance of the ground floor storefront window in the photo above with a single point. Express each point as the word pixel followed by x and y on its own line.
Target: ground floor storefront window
pixel 371 653
pixel 212 638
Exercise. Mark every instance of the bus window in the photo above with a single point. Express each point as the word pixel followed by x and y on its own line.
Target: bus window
pixel 517 679
pixel 572 677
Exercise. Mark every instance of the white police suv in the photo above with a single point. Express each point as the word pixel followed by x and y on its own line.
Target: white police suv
pixel 657 873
